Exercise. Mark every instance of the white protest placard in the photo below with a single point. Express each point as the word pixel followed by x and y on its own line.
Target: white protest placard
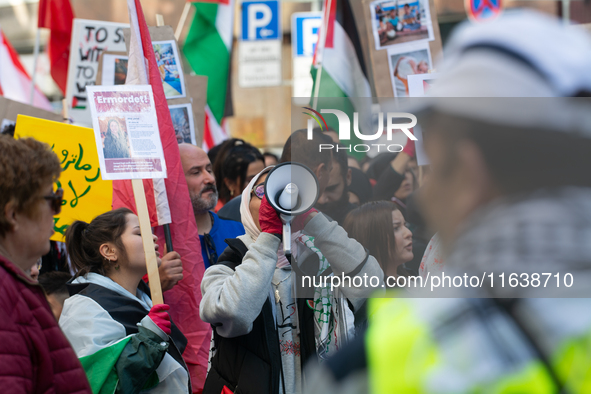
pixel 126 132
pixel 89 39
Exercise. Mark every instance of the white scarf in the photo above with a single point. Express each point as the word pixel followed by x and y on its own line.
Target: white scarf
pixel 250 226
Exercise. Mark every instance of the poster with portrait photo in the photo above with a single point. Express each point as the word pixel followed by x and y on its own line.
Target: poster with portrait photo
pixel 396 22
pixel 405 60
pixel 126 132
pixel 114 69
pixel 169 66
pixel 182 121
pixel 114 137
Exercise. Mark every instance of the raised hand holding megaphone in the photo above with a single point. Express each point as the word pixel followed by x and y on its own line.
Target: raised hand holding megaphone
pixel 291 189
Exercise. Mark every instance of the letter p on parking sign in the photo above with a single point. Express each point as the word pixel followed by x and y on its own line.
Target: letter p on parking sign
pixel 260 20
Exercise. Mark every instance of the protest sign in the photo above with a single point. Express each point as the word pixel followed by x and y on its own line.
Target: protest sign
pixel 169 66
pixel 195 86
pixel 112 69
pixel 126 132
pixel 86 194
pixel 380 59
pixel 182 121
pixel 406 60
pixel 89 39
pixel 395 22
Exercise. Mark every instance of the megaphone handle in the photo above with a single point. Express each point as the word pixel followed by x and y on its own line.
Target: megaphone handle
pixel 287 238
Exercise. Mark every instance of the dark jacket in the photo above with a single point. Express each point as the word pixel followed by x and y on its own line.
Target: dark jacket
pixel 35 356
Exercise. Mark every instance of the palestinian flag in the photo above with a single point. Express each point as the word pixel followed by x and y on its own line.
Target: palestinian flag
pixel 208 46
pixel 338 69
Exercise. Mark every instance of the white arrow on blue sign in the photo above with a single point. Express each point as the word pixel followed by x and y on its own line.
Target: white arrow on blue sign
pixel 261 20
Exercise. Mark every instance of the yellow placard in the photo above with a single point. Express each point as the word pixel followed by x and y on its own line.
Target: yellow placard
pixel 86 194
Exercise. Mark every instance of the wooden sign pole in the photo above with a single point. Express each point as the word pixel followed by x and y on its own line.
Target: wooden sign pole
pixel 149 251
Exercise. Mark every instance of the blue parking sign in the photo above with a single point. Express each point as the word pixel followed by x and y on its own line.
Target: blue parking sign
pixel 305 28
pixel 260 20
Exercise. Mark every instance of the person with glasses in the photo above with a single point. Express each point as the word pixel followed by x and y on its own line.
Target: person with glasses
pixel 201 182
pixel 35 356
pixel 267 325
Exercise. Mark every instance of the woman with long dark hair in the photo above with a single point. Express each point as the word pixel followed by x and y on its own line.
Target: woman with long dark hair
pixel 110 319
pixel 380 227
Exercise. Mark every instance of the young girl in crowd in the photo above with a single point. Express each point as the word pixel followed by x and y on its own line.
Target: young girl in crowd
pixel 380 227
pixel 110 319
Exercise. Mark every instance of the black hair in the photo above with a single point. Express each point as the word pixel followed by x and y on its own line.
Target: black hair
pixel 8 129
pixel 232 163
pixel 340 156
pixel 360 186
pixel 83 240
pixel 213 152
pixel 307 151
pixel 55 282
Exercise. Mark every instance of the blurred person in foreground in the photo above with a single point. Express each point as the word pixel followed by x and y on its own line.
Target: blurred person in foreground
pixel 35 356
pixel 508 193
pixel 110 319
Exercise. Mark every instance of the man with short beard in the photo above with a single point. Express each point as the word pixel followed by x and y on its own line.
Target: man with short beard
pixel 212 229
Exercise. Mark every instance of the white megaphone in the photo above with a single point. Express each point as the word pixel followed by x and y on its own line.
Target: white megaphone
pixel 292 189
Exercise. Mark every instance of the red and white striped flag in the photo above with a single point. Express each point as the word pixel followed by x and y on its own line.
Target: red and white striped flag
pixel 15 83
pixel 172 205
pixel 57 16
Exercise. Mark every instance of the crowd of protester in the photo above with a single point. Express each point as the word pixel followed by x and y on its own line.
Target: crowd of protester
pixel 79 318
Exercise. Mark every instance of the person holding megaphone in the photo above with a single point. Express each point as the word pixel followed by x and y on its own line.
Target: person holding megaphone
pixel 265 331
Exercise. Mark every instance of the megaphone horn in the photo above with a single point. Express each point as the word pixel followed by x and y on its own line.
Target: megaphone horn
pixel 291 189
